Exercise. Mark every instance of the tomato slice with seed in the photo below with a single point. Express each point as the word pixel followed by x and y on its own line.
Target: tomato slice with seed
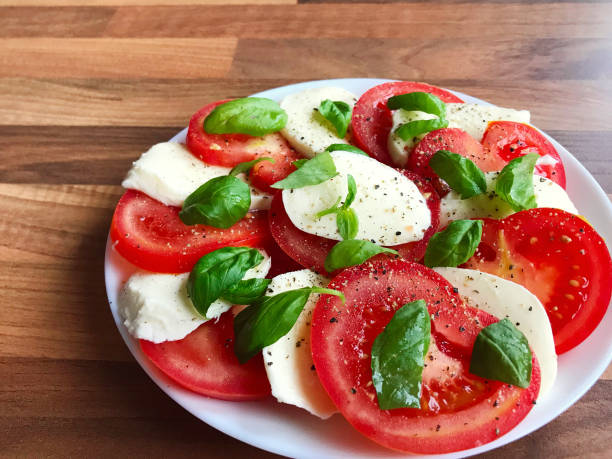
pixel 371 121
pixel 509 140
pixel 458 410
pixel 559 258
pixel 151 235
pixel 231 149
pixel 204 362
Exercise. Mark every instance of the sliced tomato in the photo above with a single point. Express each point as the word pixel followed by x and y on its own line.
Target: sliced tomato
pixel 204 362
pixel 372 121
pixel 230 149
pixel 509 140
pixel 559 258
pixel 151 235
pixel 281 262
pixel 310 251
pixel 458 410
pixel 457 141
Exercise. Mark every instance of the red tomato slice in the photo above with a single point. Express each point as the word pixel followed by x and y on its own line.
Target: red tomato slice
pixel 457 141
pixel 231 149
pixel 371 121
pixel 459 410
pixel 509 140
pixel 281 262
pixel 204 362
pixel 559 258
pixel 151 235
pixel 310 250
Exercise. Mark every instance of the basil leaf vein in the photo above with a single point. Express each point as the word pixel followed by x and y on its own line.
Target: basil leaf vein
pixel 246 291
pixel 461 174
pixel 255 116
pixel 311 172
pixel 266 321
pixel 455 245
pixel 515 182
pixel 347 223
pixel 352 252
pixel 501 353
pixel 398 357
pixel 338 113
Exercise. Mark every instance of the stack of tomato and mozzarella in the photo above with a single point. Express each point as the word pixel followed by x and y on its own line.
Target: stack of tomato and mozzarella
pixel 544 270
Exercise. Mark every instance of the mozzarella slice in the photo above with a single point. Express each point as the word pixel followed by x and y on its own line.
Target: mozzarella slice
pixel 389 206
pixel 169 173
pixel 157 308
pixel 288 362
pixel 307 130
pixel 472 118
pixel 547 194
pixel 506 299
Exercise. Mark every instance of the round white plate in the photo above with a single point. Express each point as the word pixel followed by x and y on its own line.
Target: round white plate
pixel 289 431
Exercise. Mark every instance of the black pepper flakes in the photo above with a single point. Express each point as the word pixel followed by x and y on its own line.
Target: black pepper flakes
pixel 353 390
pixel 333 320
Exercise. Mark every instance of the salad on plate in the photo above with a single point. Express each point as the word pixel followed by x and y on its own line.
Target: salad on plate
pixel 400 257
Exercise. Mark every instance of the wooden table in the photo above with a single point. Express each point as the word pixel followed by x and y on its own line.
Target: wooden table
pixel 87 85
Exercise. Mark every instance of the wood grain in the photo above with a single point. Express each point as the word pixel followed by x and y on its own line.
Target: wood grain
pixel 141 2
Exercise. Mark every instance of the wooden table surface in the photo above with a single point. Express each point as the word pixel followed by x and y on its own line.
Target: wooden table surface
pixel 87 85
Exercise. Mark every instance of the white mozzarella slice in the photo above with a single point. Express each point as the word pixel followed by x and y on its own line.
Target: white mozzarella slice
pixel 389 206
pixel 157 308
pixel 505 299
pixel 490 205
pixel 288 362
pixel 472 118
pixel 169 173
pixel 307 130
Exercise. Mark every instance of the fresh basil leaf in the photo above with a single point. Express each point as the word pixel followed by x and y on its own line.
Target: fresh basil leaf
pixel 515 182
pixel 418 101
pixel 345 147
pixel 348 223
pixel 266 321
pixel 255 116
pixel 312 172
pixel 219 203
pixel 352 191
pixel 501 353
pixel 299 162
pixel 246 291
pixel 461 174
pixel 455 245
pixel 398 357
pixel 414 129
pixel 217 272
pixel 352 252
pixel 243 168
pixel 332 210
pixel 338 113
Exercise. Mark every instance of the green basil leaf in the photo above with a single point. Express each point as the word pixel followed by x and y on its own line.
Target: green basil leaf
pixel 418 101
pixel 398 357
pixel 352 252
pixel 515 182
pixel 255 116
pixel 461 174
pixel 299 162
pixel 266 321
pixel 455 245
pixel 345 147
pixel 246 291
pixel 414 129
pixel 338 113
pixel 243 168
pixel 217 272
pixel 312 172
pixel 220 203
pixel 332 210
pixel 501 353
pixel 352 191
pixel 348 223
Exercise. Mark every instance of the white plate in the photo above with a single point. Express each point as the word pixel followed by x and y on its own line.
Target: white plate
pixel 289 431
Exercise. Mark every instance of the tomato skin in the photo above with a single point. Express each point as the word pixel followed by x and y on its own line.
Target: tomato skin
pixel 231 149
pixel 204 362
pixel 451 418
pixel 509 140
pixel 281 262
pixel 456 141
pixel 151 235
pixel 310 251
pixel 559 258
pixel 371 121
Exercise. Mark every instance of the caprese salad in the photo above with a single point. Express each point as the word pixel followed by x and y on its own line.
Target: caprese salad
pixel 406 259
